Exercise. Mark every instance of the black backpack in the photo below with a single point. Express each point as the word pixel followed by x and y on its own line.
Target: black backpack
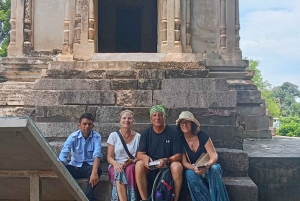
pixel 163 186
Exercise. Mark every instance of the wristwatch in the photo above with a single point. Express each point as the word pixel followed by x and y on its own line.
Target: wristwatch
pixel 168 161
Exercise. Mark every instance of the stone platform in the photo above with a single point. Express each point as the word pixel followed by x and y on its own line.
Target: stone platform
pixel 274 166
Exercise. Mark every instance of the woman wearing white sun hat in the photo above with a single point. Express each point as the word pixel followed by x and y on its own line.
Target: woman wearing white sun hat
pixel 204 183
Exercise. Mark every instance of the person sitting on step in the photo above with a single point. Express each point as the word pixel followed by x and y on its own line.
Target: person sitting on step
pixel 85 148
pixel 159 142
pixel 205 183
pixel 121 168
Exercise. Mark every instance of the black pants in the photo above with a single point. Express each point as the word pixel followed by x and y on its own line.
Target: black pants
pixel 84 172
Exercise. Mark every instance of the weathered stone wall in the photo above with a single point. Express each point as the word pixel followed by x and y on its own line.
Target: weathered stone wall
pixel 205 26
pixel 48 23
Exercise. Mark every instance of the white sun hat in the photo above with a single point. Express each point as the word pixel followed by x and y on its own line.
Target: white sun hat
pixel 187 115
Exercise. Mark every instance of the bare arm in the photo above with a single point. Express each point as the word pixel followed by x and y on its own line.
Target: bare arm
pixel 111 158
pixel 213 156
pixel 144 157
pixel 94 178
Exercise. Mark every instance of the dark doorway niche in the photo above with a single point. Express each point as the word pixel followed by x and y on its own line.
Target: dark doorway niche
pixel 127 26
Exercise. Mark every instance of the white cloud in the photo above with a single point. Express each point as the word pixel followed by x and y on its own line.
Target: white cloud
pixel 270 33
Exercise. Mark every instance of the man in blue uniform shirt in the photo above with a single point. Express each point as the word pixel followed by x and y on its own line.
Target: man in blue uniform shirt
pixel 85 148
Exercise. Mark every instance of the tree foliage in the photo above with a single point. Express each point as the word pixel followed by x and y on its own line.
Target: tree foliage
pixel 290 126
pixel 4 26
pixel 266 89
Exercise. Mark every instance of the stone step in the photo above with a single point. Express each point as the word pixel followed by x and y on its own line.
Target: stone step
pixel 16 111
pixel 200 99
pixel 72 84
pixel 241 188
pixel 228 75
pixel 222 136
pixel 156 73
pixel 28 75
pixel 149 57
pixel 125 65
pixel 195 84
pixel 257 122
pixel 10 85
pixel 106 114
pixel 267 134
pixel 254 110
pixel 71 97
pixel 238 188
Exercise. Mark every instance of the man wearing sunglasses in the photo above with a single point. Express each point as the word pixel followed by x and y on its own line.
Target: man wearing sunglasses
pixel 85 147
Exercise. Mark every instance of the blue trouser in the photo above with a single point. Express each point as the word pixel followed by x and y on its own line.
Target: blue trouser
pixel 208 188
pixel 84 172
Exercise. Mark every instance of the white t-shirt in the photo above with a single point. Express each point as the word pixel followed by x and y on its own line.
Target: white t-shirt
pixel 120 153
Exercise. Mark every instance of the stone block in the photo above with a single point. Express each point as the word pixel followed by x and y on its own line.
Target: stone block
pixel 61 130
pixel 249 94
pixel 241 188
pixel 149 84
pixel 71 84
pixel 16 85
pixel 62 113
pixel 134 98
pixel 200 99
pixel 171 74
pixel 95 74
pixel 277 177
pixel 257 134
pixel 242 86
pixel 62 74
pixel 255 122
pixel 255 110
pixel 234 162
pixel 216 116
pixel 225 136
pixel 226 63
pixel 141 114
pixel 120 74
pixel 13 97
pixel 167 65
pixel 108 114
pixel 195 84
pixel 124 84
pixel 151 74
pixel 48 98
pixel 16 111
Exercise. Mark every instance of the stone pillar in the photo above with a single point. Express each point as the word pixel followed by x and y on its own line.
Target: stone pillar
pixel 66 44
pixel 84 45
pixel 170 26
pixel 186 26
pixel 28 43
pixel 16 30
pixel 229 30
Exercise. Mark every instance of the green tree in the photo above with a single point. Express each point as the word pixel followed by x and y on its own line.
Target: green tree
pixel 4 26
pixel 287 94
pixel 265 87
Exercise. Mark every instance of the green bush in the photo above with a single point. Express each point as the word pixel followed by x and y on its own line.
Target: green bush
pixel 290 127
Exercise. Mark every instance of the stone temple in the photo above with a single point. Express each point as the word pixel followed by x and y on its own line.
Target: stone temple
pixel 67 57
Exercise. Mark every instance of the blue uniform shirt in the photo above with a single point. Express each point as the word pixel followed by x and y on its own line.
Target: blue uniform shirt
pixel 82 150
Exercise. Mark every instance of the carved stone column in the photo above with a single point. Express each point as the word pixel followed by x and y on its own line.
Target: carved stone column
pixel 16 30
pixel 91 22
pixel 171 26
pixel 229 36
pixel 66 44
pixel 84 45
pixel 27 26
pixel 188 27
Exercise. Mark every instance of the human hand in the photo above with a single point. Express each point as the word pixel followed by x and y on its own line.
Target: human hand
pixel 163 163
pixel 146 159
pixel 129 161
pixel 118 167
pixel 94 179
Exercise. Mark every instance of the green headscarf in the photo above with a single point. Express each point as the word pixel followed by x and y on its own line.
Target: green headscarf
pixel 157 108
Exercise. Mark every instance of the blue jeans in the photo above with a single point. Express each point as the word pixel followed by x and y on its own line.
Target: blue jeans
pixel 84 172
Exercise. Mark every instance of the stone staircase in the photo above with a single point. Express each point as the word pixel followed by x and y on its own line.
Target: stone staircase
pixel 65 91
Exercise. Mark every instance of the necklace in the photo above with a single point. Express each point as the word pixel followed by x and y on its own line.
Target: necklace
pixel 125 137
pixel 191 142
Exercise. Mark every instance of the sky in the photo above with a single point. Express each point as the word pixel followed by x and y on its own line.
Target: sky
pixel 270 33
